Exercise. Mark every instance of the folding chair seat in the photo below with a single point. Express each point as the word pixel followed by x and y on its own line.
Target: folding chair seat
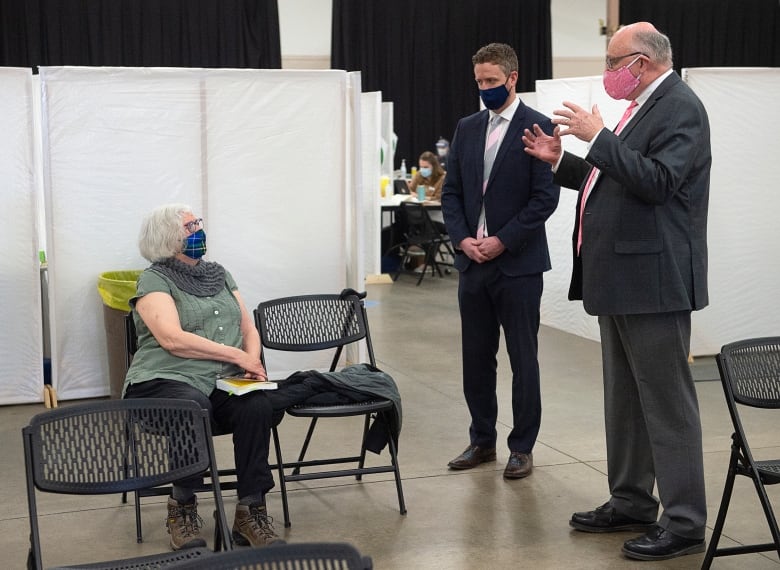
pixel 750 374
pixel 297 556
pixel 119 446
pixel 421 239
pixel 322 322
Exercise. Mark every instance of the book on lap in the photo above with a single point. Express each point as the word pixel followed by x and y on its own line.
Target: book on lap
pixel 241 386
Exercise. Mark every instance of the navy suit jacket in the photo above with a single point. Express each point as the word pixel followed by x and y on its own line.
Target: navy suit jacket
pixel 519 197
pixel 644 238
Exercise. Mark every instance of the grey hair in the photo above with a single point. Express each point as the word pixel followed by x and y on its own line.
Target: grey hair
pixel 656 45
pixel 162 232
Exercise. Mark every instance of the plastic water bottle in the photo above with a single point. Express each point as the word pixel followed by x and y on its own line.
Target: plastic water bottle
pixel 403 168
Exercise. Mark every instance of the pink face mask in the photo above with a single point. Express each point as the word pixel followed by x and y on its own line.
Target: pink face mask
pixel 619 83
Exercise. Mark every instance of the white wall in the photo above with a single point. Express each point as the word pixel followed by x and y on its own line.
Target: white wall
pixel 575 27
pixel 578 49
pixel 304 27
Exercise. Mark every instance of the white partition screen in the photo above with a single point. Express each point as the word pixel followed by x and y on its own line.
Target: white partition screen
pixel 21 344
pixel 742 233
pixel 557 310
pixel 252 150
pixel 371 127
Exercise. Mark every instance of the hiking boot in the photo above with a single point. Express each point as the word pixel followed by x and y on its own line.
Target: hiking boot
pixel 253 527
pixel 184 524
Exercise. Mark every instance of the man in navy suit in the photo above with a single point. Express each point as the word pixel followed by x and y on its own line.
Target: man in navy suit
pixel 640 264
pixel 495 201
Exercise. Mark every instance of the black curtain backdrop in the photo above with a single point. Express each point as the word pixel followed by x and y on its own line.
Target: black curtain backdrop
pixel 140 33
pixel 713 33
pixel 418 54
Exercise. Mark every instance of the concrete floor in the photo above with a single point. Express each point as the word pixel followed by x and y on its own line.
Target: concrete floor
pixel 456 520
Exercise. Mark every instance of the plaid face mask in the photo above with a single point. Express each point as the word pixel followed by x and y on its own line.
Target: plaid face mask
pixel 194 245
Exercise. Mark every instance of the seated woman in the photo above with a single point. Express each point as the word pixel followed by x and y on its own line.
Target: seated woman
pixel 193 328
pixel 430 174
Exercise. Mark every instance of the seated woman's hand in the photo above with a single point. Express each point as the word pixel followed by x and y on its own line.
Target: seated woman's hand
pixel 253 368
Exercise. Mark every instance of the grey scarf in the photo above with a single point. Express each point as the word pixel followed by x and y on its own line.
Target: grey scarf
pixel 204 279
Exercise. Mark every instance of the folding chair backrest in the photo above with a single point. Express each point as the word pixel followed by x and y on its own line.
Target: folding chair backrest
pixel 314 322
pixel 420 228
pixel 118 445
pixel 115 446
pixel 751 371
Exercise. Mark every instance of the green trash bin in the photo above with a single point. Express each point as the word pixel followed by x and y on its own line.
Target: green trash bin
pixel 116 288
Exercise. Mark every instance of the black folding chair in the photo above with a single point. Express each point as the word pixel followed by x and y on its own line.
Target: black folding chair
pixel 320 322
pixel 750 374
pixel 227 476
pixel 300 556
pixel 421 239
pixel 228 479
pixel 117 446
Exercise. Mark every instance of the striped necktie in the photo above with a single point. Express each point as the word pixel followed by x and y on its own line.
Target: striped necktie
pixel 491 149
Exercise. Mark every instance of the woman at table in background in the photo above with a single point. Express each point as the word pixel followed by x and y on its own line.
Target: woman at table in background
pixel 430 174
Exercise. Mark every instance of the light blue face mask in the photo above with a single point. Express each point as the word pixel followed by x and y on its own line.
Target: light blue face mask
pixel 426 172
pixel 194 245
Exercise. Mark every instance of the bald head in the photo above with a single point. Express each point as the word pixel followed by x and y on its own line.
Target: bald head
pixel 643 37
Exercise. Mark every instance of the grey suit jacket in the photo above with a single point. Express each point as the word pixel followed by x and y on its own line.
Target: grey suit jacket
pixel 644 238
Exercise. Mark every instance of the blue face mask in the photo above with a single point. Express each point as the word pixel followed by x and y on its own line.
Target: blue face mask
pixel 426 172
pixel 495 97
pixel 194 245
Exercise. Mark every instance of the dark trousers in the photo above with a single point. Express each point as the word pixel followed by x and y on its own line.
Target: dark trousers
pixel 247 417
pixel 490 301
pixel 652 420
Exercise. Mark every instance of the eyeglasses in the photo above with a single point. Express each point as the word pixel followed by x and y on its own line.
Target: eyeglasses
pixel 611 61
pixel 194 225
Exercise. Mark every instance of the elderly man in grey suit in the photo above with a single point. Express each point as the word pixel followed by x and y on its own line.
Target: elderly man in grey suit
pixel 640 265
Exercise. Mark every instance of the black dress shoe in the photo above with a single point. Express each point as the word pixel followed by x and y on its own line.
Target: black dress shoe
pixel 606 519
pixel 519 465
pixel 660 544
pixel 473 456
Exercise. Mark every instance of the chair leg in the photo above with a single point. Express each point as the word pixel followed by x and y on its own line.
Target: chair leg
pixel 138 535
pixel 396 471
pixel 424 269
pixel 362 460
pixel 305 447
pixel 728 488
pixel 400 268
pixel 282 480
pixel 434 264
pixel 770 516
pixel 218 542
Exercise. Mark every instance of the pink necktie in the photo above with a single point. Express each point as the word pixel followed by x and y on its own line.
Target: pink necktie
pixel 594 171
